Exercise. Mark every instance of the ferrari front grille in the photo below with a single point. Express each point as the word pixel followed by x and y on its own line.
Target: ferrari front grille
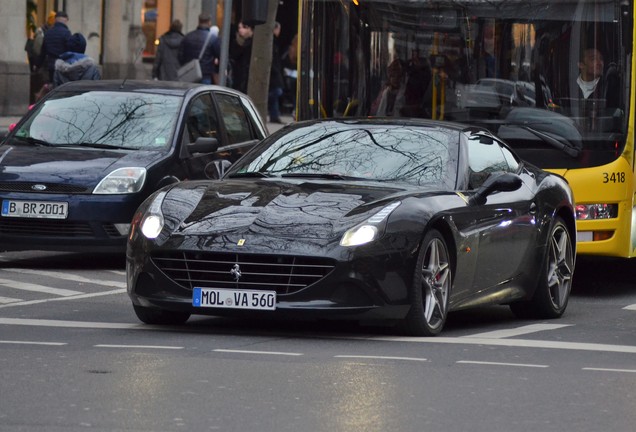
pixel 284 274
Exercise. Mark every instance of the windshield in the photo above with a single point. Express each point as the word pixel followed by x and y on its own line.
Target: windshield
pixel 549 77
pixel 103 119
pixel 410 154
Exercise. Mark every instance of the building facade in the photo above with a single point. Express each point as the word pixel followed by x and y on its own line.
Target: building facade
pixel 120 35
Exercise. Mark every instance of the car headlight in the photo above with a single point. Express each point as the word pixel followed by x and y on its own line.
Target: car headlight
pixel 152 221
pixel 122 181
pixel 367 231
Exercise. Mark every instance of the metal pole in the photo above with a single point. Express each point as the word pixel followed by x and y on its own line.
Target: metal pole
pixel 225 42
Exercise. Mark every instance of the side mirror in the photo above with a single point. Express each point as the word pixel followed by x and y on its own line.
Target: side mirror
pixel 506 182
pixel 204 145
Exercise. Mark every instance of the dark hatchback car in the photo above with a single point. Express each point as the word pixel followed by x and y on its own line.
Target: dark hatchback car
pixel 76 167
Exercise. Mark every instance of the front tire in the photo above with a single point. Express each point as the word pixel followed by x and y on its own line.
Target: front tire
pixel 160 316
pixel 555 283
pixel 431 288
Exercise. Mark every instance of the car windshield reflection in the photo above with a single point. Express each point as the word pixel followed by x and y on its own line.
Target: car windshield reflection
pixel 415 155
pixel 117 120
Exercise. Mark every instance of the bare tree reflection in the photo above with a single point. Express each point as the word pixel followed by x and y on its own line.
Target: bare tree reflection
pixel 119 119
pixel 405 154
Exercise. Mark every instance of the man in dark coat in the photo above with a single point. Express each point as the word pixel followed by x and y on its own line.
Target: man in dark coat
pixel 191 45
pixel 241 54
pixel 276 80
pixel 54 43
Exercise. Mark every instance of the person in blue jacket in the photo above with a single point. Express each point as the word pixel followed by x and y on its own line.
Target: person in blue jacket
pixel 74 65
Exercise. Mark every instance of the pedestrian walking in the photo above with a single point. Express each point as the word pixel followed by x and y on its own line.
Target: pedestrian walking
pixel 276 79
pixel 199 43
pixel 241 55
pixel 54 43
pixel 74 65
pixel 167 58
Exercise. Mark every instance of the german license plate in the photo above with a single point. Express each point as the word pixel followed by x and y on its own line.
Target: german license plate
pixel 35 209
pixel 234 299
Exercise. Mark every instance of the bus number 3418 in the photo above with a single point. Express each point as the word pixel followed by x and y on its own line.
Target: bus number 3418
pixel 617 177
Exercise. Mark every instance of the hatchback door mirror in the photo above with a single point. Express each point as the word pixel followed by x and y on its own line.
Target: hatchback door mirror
pixel 204 145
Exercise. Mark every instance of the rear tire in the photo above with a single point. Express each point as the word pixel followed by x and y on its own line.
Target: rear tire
pixel 555 283
pixel 160 316
pixel 431 288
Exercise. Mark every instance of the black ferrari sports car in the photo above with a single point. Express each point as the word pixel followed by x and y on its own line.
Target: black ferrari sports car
pixel 375 219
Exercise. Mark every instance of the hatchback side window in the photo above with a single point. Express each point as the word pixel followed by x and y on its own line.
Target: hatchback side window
pixel 202 119
pixel 237 125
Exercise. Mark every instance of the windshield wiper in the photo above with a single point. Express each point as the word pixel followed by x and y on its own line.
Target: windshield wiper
pixel 250 174
pixel 562 144
pixel 34 141
pixel 97 145
pixel 322 176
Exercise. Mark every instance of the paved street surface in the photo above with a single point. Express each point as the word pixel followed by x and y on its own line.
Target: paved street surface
pixel 75 358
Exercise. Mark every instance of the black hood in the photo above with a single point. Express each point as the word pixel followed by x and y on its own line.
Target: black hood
pixel 290 208
pixel 76 165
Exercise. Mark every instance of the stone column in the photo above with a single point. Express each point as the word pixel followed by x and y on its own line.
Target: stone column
pixel 124 41
pixel 14 67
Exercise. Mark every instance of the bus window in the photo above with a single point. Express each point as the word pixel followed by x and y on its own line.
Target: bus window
pixel 551 78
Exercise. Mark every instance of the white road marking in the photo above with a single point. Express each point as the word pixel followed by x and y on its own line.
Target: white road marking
pixel 81 296
pixel 630 307
pixel 380 357
pixel 609 370
pixel 501 364
pixel 5 300
pixel 67 276
pixel 72 324
pixel 38 288
pixel 505 333
pixel 32 343
pixel 519 343
pixel 139 346
pixel 258 352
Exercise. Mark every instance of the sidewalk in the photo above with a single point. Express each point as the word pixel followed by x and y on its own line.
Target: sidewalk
pixel 272 127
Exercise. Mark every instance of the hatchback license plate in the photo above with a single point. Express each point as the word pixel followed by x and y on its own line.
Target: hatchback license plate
pixel 234 299
pixel 35 209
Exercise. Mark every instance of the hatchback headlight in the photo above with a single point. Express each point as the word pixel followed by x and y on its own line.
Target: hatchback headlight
pixel 122 181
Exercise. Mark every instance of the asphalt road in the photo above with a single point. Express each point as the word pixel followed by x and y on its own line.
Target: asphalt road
pixel 73 357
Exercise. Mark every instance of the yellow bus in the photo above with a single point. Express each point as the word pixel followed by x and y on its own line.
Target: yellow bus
pixel 554 79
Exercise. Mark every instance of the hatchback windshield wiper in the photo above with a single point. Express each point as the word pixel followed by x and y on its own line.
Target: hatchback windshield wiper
pixel 96 145
pixel 323 176
pixel 249 174
pixel 34 141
